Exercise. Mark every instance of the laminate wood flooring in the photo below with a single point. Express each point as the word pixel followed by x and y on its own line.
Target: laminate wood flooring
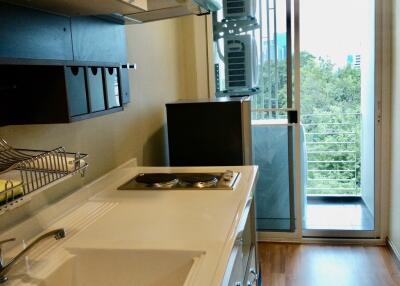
pixel 326 265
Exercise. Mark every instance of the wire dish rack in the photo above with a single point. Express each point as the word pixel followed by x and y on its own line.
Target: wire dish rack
pixel 25 172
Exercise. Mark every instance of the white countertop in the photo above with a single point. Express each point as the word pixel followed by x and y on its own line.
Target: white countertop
pixel 191 220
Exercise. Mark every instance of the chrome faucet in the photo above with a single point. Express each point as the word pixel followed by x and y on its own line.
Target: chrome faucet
pixel 5 267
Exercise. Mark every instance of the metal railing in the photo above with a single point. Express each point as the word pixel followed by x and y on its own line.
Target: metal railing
pixel 333 151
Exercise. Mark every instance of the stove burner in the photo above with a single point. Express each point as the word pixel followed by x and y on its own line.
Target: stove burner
pixel 158 180
pixel 199 180
pixel 182 181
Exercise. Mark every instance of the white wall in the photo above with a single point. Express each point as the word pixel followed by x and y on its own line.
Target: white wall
pixel 394 221
pixel 196 70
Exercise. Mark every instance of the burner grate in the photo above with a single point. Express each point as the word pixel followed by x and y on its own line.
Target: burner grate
pixel 199 180
pixel 159 180
pixel 182 181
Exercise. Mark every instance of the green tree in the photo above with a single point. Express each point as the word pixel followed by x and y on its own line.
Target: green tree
pixel 330 105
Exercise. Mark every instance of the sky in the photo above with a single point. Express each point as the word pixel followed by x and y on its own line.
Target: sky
pixel 331 29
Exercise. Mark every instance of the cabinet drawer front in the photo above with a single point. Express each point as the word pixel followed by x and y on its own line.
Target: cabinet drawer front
pixel 112 87
pixel 95 89
pixel 97 40
pixel 252 276
pixel 76 90
pixel 234 272
pixel 247 242
pixel 124 85
pixel 245 234
pixel 31 34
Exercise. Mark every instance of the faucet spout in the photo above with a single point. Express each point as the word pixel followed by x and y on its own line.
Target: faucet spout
pixel 6 267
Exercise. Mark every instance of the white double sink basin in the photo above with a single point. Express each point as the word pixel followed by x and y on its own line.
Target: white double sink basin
pixel 121 267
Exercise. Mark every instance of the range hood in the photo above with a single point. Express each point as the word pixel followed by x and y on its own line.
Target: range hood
pixel 164 9
pixel 124 11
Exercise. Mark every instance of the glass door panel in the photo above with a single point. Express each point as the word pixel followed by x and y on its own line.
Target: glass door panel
pixel 275 187
pixel 338 114
pixel 274 120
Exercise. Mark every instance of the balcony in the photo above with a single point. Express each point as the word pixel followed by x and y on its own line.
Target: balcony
pixel 333 154
pixel 333 190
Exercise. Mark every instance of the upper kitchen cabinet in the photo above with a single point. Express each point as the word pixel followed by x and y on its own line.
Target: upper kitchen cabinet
pixel 35 35
pixel 97 40
pixel 60 69
pixel 158 10
pixel 36 94
pixel 84 7
pixel 30 34
pixel 123 11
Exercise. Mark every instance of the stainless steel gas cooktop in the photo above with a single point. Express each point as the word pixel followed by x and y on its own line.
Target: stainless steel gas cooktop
pixel 183 181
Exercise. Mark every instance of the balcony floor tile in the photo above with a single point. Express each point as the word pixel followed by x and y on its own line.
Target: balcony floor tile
pixel 338 215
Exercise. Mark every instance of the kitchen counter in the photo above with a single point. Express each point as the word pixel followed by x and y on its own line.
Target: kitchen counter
pixel 200 221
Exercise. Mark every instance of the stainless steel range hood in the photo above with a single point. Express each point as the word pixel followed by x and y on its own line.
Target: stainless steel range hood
pixel 124 11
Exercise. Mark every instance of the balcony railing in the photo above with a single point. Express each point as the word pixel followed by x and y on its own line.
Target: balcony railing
pixel 333 151
pixel 332 148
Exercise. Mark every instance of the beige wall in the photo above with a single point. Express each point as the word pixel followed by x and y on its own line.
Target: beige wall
pixel 196 48
pixel 167 67
pixel 394 226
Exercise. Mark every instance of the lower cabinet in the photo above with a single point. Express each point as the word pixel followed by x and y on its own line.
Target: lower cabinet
pixel 251 277
pixel 242 268
pixel 235 268
pixel 44 94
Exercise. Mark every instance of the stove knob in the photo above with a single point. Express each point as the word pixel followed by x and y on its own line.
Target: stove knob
pixel 228 175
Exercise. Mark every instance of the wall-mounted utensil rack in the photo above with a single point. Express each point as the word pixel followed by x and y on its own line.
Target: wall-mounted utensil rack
pixel 25 172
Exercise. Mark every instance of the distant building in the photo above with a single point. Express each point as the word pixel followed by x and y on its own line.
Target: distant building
pixel 354 61
pixel 281 47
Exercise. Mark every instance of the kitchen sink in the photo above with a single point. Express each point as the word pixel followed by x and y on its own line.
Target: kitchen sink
pixel 124 267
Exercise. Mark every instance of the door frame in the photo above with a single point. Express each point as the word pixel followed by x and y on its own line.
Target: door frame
pixel 382 133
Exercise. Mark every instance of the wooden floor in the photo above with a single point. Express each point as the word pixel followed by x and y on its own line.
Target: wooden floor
pixel 312 265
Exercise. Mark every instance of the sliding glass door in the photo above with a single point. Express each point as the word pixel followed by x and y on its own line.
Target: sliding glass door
pixel 314 119
pixel 338 103
pixel 313 110
pixel 274 121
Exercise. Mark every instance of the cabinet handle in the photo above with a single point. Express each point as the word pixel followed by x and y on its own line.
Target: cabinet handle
pixel 129 66
pixel 255 278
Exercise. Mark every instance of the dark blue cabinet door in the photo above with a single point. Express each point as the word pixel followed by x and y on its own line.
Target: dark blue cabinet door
pixel 97 40
pixel 31 34
pixel 94 81
pixel 76 90
pixel 112 87
pixel 124 86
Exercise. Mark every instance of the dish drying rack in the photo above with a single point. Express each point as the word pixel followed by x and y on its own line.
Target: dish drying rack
pixel 24 172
